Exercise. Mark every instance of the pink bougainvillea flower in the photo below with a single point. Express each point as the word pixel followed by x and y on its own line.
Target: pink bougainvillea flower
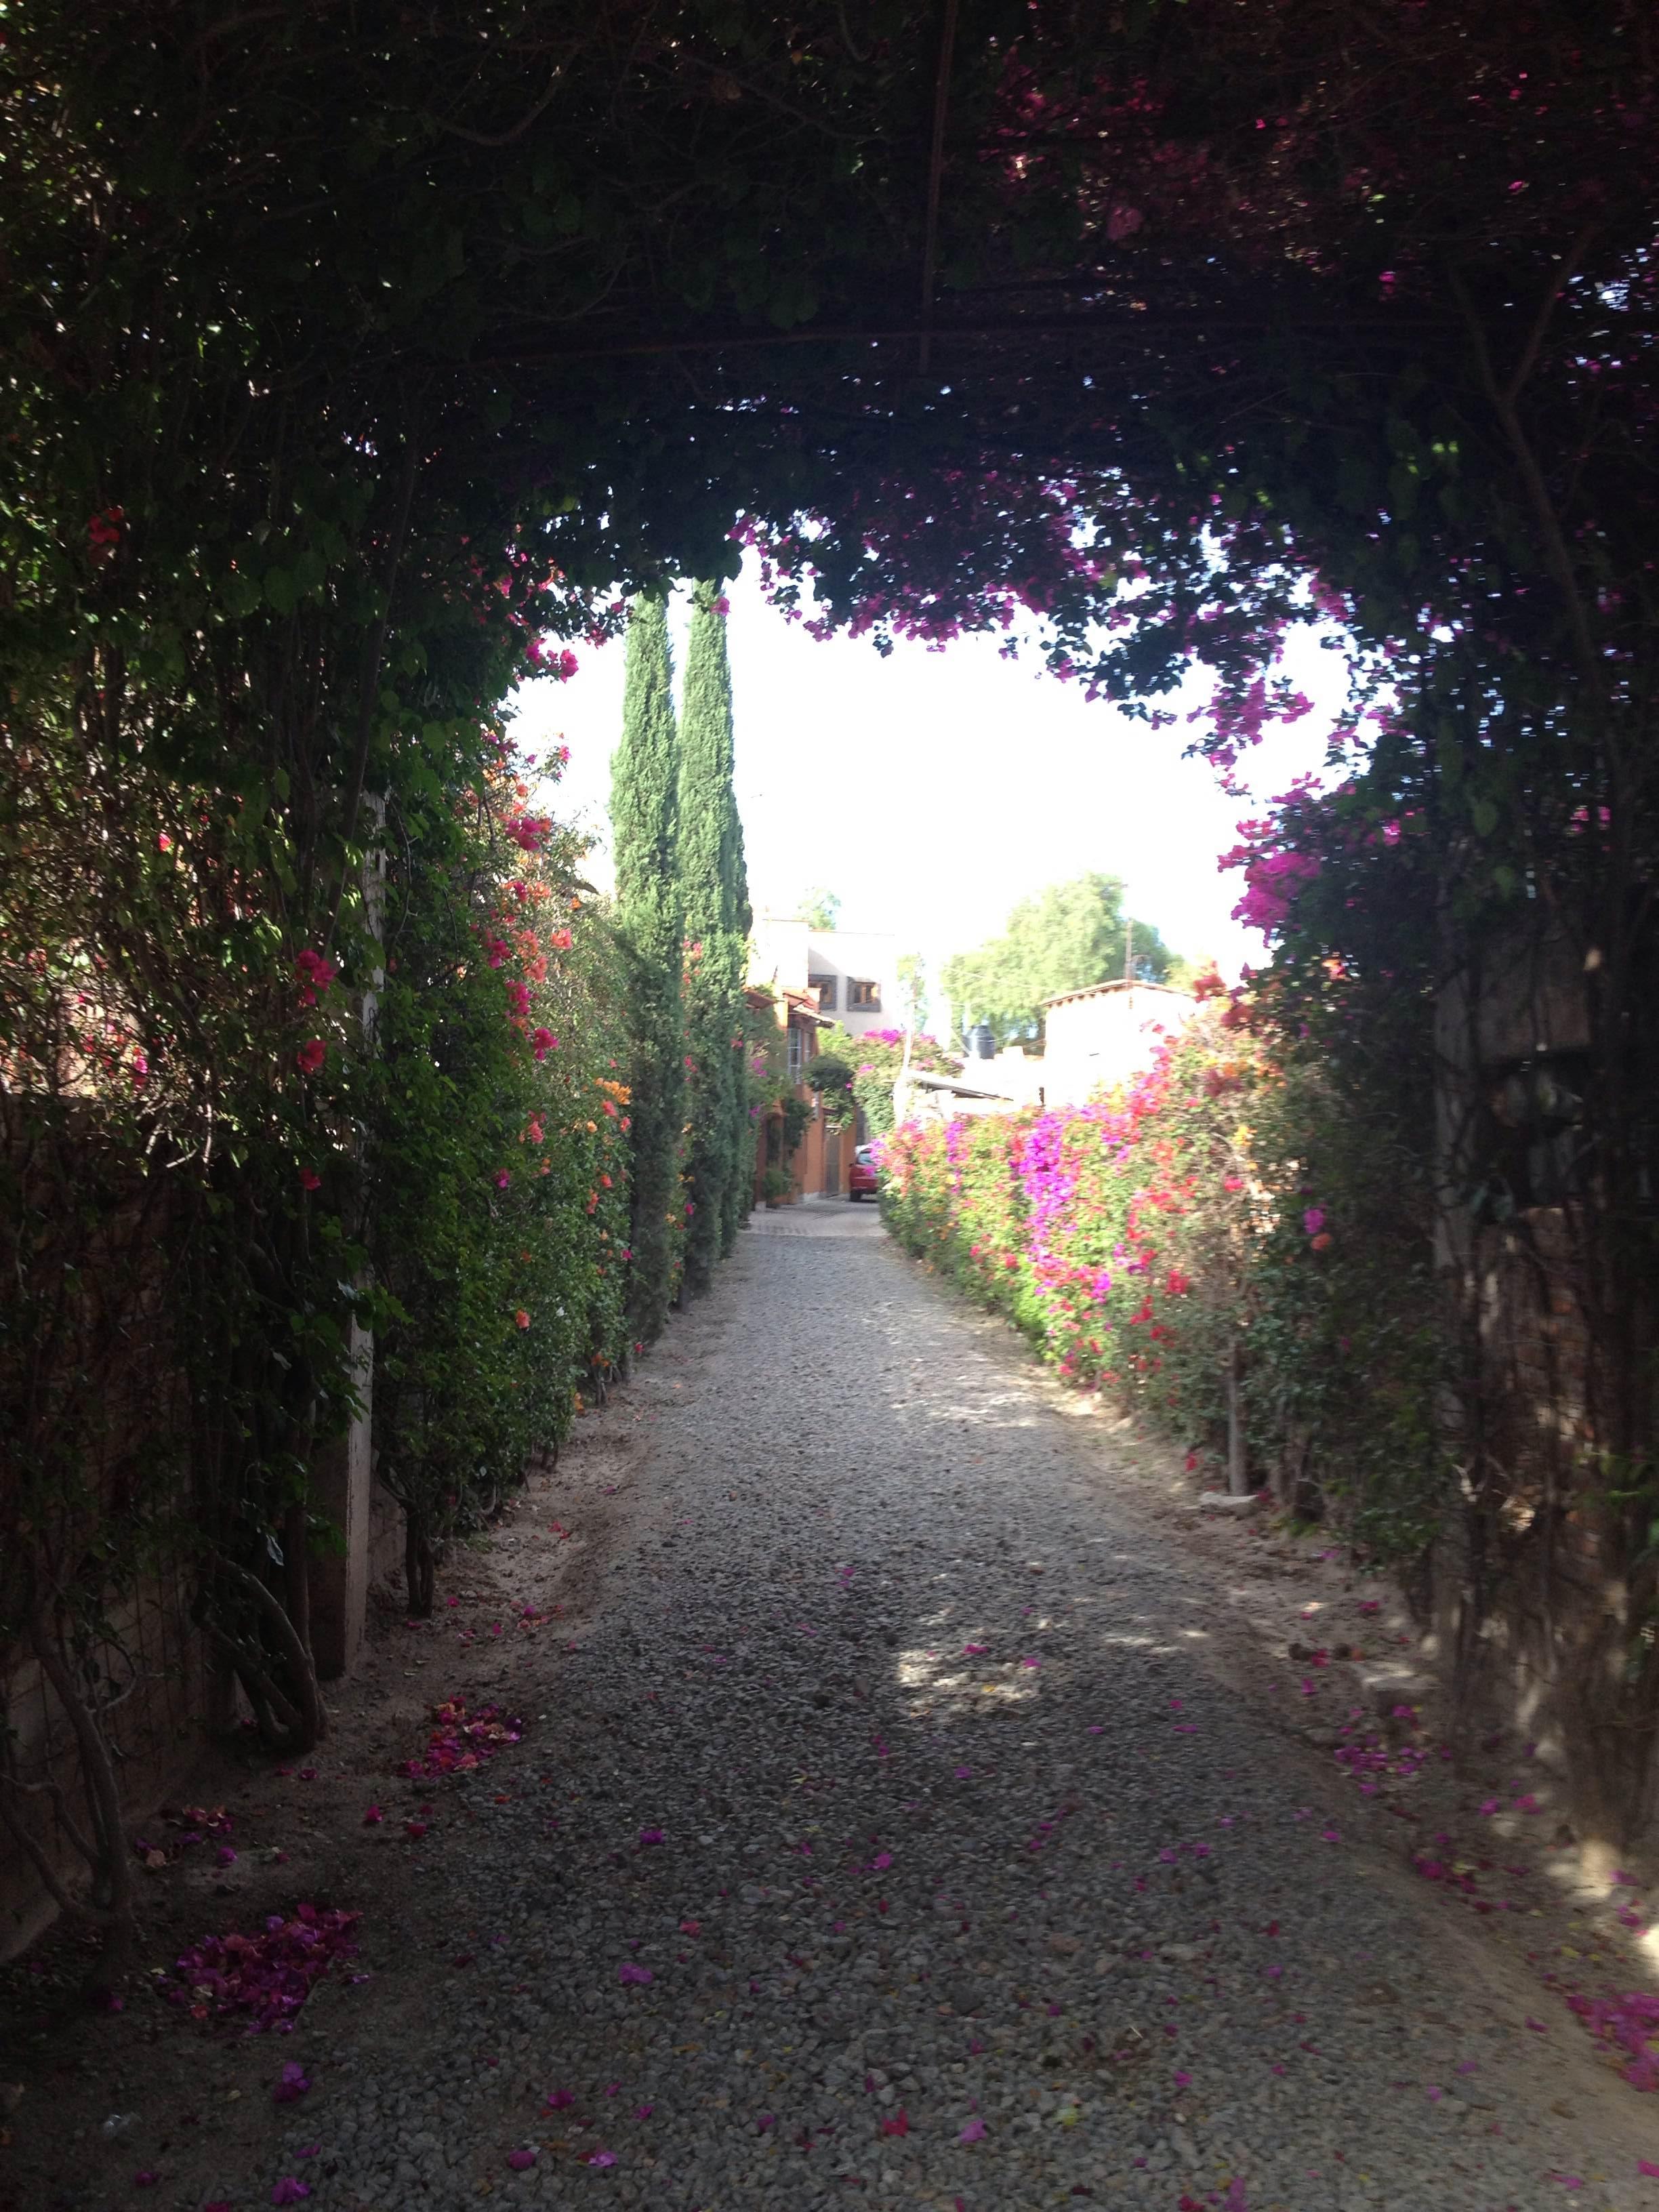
pixel 373 1816
pixel 290 2191
pixel 629 1972
pixel 973 1650
pixel 1314 1221
pixel 558 2099
pixel 263 1979
pixel 881 1861
pixel 521 2160
pixel 415 1830
pixel 1183 2081
pixel 521 1318
pixel 897 2124
pixel 310 1055
pixel 602 2157
pixel 765 2121
pixel 1526 1804
pixel 964 1773
pixel 974 2132
pixel 1647 2166
pixel 293 2084
pixel 651 1836
pixel 643 2111
pixel 690 1927
pixel 1030 1662
pixel 310 1180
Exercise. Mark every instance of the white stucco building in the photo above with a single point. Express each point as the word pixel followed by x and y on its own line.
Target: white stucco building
pixel 1102 1033
pixel 853 972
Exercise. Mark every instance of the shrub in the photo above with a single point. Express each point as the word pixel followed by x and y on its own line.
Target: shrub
pixel 1229 1196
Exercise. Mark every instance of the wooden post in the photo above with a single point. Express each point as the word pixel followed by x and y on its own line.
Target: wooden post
pixel 1238 1481
pixel 341 1473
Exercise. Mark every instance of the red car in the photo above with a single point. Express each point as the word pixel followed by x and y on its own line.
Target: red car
pixel 862 1181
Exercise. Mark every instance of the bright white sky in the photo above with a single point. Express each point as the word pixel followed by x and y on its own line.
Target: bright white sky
pixel 932 791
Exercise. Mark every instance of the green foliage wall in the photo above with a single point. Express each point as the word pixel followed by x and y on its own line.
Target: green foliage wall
pixel 496 1196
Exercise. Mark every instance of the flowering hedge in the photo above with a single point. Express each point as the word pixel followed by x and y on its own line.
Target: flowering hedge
pixel 1230 1195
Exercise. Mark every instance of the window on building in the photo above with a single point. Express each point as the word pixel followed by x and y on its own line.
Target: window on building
pixel 825 987
pixel 797 1052
pixel 864 997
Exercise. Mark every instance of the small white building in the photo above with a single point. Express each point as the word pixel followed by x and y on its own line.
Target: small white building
pixel 852 973
pixel 1104 1033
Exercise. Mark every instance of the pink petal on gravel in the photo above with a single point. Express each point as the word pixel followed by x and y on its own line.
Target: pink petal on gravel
pixel 558 2099
pixel 1647 2166
pixel 521 2160
pixel 628 1972
pixel 602 2157
pixel 974 2132
pixel 290 2191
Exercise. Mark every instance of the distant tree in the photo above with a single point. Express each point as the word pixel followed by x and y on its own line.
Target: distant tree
pixel 819 909
pixel 1068 936
pixel 644 824
pixel 913 990
pixel 715 905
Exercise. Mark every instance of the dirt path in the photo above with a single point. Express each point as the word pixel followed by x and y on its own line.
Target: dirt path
pixel 901 1816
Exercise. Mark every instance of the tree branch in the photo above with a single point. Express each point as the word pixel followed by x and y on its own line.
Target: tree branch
pixel 1502 398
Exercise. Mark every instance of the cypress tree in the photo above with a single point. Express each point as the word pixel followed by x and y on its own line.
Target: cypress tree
pixel 715 921
pixel 644 809
pixel 740 1189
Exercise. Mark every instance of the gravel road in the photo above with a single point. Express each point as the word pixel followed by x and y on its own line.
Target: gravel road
pixel 898 1839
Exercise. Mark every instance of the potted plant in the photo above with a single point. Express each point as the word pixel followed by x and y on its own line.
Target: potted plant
pixel 775 1185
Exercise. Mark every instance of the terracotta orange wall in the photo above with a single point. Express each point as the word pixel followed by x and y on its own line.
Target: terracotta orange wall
pixel 805 1165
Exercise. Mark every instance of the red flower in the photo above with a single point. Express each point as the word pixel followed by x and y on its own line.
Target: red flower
pixel 104 529
pixel 310 1055
pixel 310 1179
